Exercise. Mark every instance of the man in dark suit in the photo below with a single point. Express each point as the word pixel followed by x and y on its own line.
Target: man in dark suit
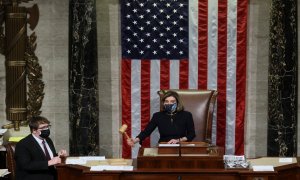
pixel 35 155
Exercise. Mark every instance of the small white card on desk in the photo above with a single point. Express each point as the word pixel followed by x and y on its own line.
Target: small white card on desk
pixel 285 160
pixel 263 168
pixel 92 158
pixel 168 145
pixel 111 168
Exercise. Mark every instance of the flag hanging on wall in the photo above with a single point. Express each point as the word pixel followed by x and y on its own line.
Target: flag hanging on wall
pixel 184 44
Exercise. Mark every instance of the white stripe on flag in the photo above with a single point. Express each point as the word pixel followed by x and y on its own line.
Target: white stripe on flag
pixel 174 74
pixel 155 86
pixel 212 34
pixel 135 102
pixel 193 44
pixel 231 76
pixel 212 70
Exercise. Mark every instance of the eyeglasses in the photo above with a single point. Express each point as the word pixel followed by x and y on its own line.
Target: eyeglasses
pixel 45 127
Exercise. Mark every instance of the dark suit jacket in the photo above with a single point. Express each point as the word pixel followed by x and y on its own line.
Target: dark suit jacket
pixel 31 162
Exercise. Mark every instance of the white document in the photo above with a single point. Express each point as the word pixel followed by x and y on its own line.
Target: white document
pixel 285 160
pixel 233 158
pixel 263 168
pixel 2 131
pixel 83 159
pixel 92 158
pixel 168 145
pixel 75 161
pixel 3 172
pixel 111 168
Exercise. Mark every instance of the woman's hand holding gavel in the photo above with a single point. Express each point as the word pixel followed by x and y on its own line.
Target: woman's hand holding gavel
pixel 131 142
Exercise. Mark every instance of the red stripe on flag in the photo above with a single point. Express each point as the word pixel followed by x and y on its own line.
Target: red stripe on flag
pixel 126 103
pixel 184 74
pixel 222 72
pixel 145 96
pixel 165 74
pixel 241 76
pixel 202 44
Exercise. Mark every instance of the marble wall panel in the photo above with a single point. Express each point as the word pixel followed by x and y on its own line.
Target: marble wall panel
pixel 257 74
pixel 298 129
pixel 109 58
pixel 83 78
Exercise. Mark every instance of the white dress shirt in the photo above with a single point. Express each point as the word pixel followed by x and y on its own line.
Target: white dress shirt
pixel 40 142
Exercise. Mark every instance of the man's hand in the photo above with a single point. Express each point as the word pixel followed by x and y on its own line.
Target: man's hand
pixel 173 141
pixel 62 153
pixel 54 161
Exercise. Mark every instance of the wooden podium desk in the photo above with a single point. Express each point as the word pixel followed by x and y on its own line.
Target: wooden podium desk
pixel 178 168
pixel 77 172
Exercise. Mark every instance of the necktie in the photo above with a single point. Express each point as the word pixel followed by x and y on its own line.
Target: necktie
pixel 46 150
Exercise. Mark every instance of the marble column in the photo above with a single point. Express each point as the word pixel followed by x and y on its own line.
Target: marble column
pixel 282 105
pixel 83 79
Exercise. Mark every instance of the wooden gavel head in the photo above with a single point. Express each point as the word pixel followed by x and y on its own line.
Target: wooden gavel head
pixel 123 130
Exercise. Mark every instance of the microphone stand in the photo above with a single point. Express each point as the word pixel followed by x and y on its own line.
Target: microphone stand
pixel 179 147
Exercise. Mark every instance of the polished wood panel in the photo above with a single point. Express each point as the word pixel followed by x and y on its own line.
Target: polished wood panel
pixel 183 168
pixel 70 172
pixel 204 161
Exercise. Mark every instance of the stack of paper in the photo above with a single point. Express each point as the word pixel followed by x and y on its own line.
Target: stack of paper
pixel 83 159
pixel 15 138
pixel 3 172
pixel 99 163
pixel 2 131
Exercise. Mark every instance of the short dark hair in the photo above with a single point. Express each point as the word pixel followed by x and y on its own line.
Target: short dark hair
pixel 35 121
pixel 169 93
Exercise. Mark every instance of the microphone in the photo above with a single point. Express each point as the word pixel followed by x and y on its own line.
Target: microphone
pixel 178 135
pixel 179 147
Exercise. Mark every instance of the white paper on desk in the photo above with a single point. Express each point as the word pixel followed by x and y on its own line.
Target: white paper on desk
pixel 168 145
pixel 263 168
pixel 4 172
pixel 285 160
pixel 111 168
pixel 2 131
pixel 75 161
pixel 92 158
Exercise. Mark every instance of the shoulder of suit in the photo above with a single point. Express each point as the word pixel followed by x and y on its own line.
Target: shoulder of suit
pixel 26 140
pixel 49 140
pixel 158 113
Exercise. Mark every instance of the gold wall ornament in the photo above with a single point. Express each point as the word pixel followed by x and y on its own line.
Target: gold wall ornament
pixel 21 62
pixel 34 76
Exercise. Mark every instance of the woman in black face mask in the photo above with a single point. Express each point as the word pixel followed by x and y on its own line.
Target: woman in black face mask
pixel 174 124
pixel 35 155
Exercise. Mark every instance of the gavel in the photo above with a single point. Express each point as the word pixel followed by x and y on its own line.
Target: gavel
pixel 122 130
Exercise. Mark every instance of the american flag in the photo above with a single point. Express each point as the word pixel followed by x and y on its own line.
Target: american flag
pixel 184 44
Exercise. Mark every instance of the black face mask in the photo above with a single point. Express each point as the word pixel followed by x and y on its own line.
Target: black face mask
pixel 170 108
pixel 45 133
